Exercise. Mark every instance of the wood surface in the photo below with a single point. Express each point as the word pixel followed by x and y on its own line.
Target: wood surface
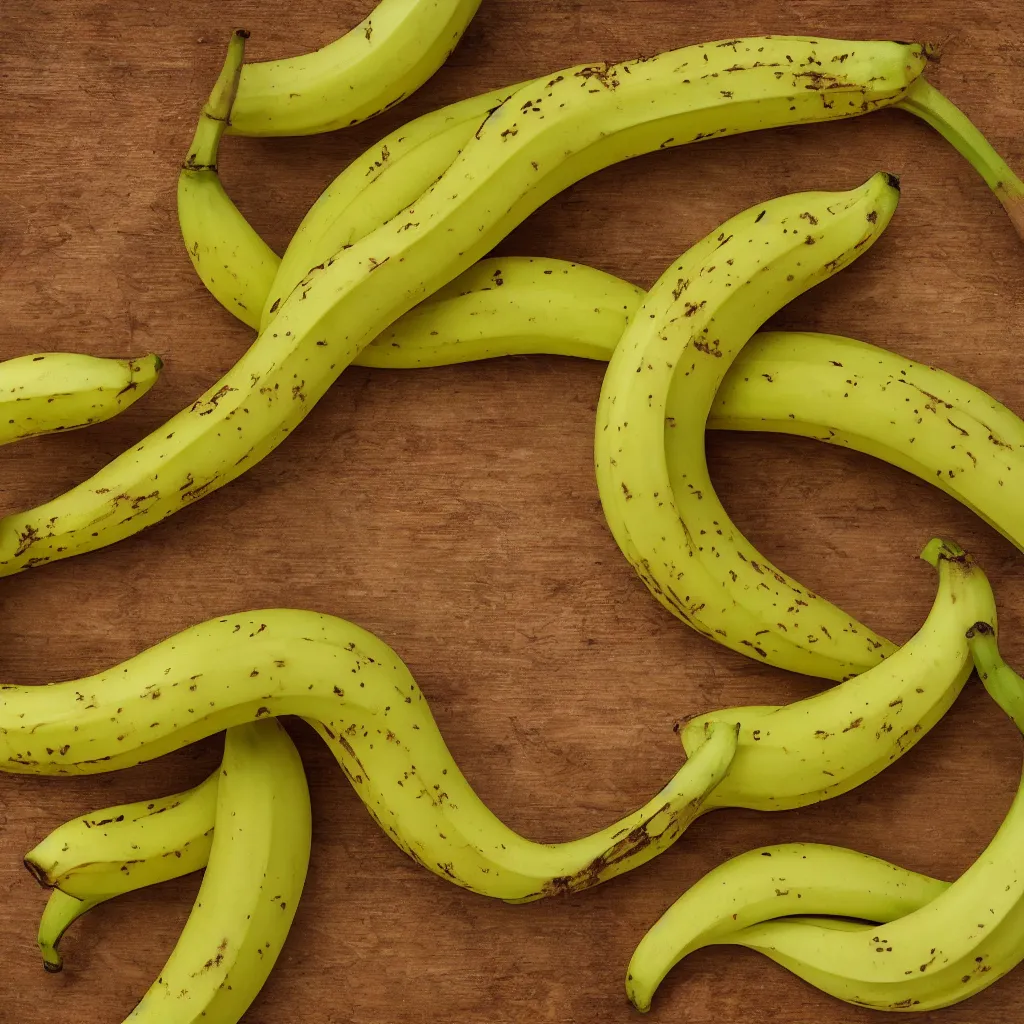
pixel 454 511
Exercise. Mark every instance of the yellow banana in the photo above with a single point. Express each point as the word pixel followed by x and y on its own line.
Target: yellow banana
pixel 251 887
pixel 59 391
pixel 827 744
pixel 231 259
pixel 651 469
pixel 116 850
pixel 537 143
pixel 384 59
pixel 765 884
pixel 358 694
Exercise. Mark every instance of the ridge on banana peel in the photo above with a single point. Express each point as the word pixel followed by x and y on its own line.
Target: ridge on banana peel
pixel 362 700
pixel 384 59
pixel 116 850
pixel 59 391
pixel 769 883
pixel 829 743
pixel 935 955
pixel 652 472
pixel 537 143
pixel 250 890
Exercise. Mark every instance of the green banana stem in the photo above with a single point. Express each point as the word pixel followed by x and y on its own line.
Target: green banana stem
pixel 216 114
pixel 926 102
pixel 1003 684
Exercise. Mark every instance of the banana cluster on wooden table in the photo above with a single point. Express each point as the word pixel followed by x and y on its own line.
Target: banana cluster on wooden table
pixel 389 268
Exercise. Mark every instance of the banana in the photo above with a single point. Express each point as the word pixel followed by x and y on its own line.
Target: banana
pixel 926 102
pixel 362 700
pixel 651 470
pixel 116 850
pixel 957 943
pixel 231 259
pixel 384 59
pixel 538 142
pixel 924 420
pixel 768 883
pixel 829 743
pixel 59 391
pixel 251 887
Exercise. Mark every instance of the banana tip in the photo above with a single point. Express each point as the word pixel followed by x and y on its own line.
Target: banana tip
pixel 52 962
pixel 241 33
pixel 37 872
pixel 980 629
pixel 892 180
pixel 939 549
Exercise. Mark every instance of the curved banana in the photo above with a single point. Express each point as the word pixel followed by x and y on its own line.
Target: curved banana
pixel 360 697
pixel 651 471
pixel 768 883
pixel 926 102
pixel 251 887
pixel 829 743
pixel 231 259
pixel 116 850
pixel 59 391
pixel 537 143
pixel 384 59
pixel 956 944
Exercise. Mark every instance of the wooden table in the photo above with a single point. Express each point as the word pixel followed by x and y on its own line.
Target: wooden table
pixel 454 511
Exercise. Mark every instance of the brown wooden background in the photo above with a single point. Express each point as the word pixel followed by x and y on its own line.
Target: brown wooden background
pixel 454 511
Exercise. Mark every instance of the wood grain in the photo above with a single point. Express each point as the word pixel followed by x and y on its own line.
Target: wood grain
pixel 454 511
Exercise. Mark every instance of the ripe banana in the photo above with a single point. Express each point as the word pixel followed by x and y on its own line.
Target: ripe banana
pixel 384 59
pixel 360 697
pixel 768 883
pixel 926 102
pixel 956 944
pixel 651 471
pixel 538 142
pixel 231 259
pixel 251 887
pixel 116 850
pixel 829 743
pixel 59 391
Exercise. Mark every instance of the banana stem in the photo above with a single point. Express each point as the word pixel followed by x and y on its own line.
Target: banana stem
pixel 216 113
pixel 926 102
pixel 1003 684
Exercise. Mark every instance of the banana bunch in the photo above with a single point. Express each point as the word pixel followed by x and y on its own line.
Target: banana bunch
pixel 929 944
pixel 539 141
pixel 362 700
pixel 119 849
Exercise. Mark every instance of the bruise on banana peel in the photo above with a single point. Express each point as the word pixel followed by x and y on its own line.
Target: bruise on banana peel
pixel 362 700
pixel 537 143
pixel 651 467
